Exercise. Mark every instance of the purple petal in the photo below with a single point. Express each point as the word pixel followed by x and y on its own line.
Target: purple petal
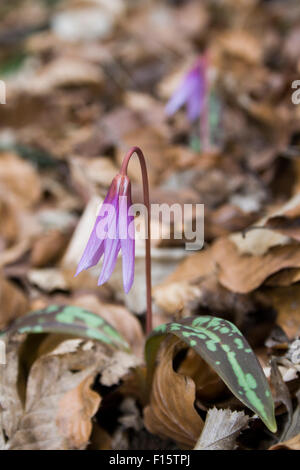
pixel 190 92
pixel 179 98
pixel 95 246
pixel 111 247
pixel 111 250
pixel 195 105
pixel 93 251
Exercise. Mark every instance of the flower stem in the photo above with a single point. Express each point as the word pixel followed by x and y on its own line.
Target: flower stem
pixel 204 125
pixel 123 171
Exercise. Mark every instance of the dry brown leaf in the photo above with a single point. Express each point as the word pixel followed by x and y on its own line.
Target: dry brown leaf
pixel 286 277
pixel 209 386
pixel 48 248
pixel 242 45
pixel 153 142
pixel 75 410
pixel 180 288
pixel 221 429
pixel 13 302
pixel 64 71
pixel 57 392
pixel 19 181
pixel 244 273
pixel 286 301
pixel 291 444
pixel 171 412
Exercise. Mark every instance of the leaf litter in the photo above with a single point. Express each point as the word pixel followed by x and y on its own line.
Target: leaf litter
pixel 84 82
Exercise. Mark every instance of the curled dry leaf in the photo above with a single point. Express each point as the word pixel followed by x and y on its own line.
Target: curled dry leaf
pixel 171 412
pixel 58 403
pixel 75 410
pixel 287 220
pixel 286 301
pixel 19 180
pixel 243 273
pixel 290 444
pixel 180 288
pixel 65 72
pixel 13 302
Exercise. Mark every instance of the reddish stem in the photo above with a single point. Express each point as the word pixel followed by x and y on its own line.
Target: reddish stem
pixel 204 117
pixel 123 171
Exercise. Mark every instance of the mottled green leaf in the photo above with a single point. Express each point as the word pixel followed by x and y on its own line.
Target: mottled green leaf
pixel 67 319
pixel 224 348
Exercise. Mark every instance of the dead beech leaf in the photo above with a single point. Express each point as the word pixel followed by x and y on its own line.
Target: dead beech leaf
pixel 243 273
pixel 221 429
pixel 19 180
pixel 286 277
pixel 13 302
pixel 75 410
pixel 65 71
pixel 154 143
pixel 258 241
pixel 57 390
pixel 8 217
pixel 242 45
pixel 171 412
pixel 48 248
pixel 180 288
pixel 209 386
pixel 290 444
pixel 286 301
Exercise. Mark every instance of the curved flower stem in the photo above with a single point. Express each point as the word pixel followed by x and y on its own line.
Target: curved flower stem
pixel 123 171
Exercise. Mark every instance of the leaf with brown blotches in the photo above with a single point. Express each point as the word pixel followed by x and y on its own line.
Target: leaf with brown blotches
pixel 171 412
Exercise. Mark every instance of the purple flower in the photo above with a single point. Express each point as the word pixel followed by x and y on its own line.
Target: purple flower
pixel 190 92
pixel 113 231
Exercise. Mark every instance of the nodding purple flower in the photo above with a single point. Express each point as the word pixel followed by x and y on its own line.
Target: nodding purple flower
pixel 191 91
pixel 113 231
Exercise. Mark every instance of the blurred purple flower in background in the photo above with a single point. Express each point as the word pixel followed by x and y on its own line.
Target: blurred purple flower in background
pixel 113 231
pixel 191 92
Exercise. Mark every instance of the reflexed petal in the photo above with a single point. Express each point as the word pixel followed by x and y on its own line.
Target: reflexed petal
pixel 111 250
pixel 195 104
pixel 184 91
pixel 179 98
pixel 95 245
pixel 93 251
pixel 128 248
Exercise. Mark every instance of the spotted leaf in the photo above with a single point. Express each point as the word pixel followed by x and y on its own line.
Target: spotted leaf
pixel 71 320
pixel 224 348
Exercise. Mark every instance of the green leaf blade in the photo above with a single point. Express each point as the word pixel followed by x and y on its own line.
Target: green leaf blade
pixel 67 319
pixel 225 349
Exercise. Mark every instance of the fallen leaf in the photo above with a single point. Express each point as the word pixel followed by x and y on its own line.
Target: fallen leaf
pixel 75 410
pixel 221 429
pixel 171 412
pixel 243 273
